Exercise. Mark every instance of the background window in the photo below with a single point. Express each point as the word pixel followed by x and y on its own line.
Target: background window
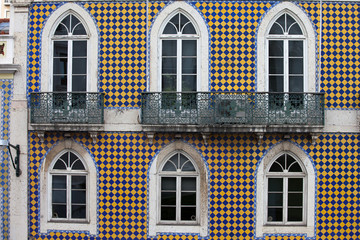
pixel 178 190
pixel 68 188
pixel 285 191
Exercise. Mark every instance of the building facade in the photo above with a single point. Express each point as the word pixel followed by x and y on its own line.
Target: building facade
pixel 185 120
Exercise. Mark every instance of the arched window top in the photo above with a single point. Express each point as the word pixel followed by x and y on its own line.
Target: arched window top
pixel 68 161
pixel 285 25
pixel 285 163
pixel 179 24
pixel 70 26
pixel 179 163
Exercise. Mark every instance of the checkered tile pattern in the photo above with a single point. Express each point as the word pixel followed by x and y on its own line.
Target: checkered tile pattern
pixel 123 158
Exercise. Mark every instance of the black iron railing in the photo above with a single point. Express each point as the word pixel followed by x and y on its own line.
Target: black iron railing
pixel 250 108
pixel 67 107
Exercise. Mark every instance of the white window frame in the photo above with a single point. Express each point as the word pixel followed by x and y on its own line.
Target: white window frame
pixel 68 173
pixel 261 226
pixel 47 223
pixel 47 39
pixel 178 190
pixel 155 227
pixel 309 45
pixel 285 177
pixel 156 38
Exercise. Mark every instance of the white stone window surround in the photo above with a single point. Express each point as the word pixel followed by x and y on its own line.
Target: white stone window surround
pixel 47 45
pixel 156 30
pixel 261 228
pixel 309 45
pixel 46 224
pixel 154 227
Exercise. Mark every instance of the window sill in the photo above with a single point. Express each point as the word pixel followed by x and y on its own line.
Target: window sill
pixel 179 228
pixel 290 229
pixel 87 227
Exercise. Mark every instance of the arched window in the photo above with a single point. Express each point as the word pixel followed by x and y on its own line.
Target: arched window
pixel 286 191
pixel 68 177
pixel 70 47
pixel 179 190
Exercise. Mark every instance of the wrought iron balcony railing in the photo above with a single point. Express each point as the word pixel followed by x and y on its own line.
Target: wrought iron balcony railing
pixel 66 107
pixel 247 108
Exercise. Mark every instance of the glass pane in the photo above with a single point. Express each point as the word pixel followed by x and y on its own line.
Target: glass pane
pixel 175 159
pixel 169 166
pixel 276 65
pixel 189 48
pixel 60 66
pixel 188 184
pixel 77 28
pixel 295 184
pixel 79 49
pixel 74 22
pixel 58 211
pixel 79 66
pixel 295 168
pixel 275 214
pixel 275 184
pixel 59 165
pixel 296 49
pixel 275 199
pixel 60 83
pixel 60 49
pixel 276 84
pixel 296 84
pixel 168 198
pixel 175 21
pixel 188 198
pixel 79 83
pixel 189 65
pixel 295 199
pixel 78 182
pixel 78 164
pixel 276 29
pixel 281 161
pixel 183 21
pixel 168 213
pixel 295 30
pixel 188 167
pixel 170 29
pixel 296 66
pixel 59 182
pixel 78 196
pixel 168 82
pixel 183 159
pixel 188 213
pixel 169 65
pixel 189 83
pixel 289 159
pixel 189 29
pixel 59 196
pixel 281 21
pixel 78 211
pixel 168 183
pixel 276 167
pixel 276 48
pixel 169 48
pixel 295 214
pixel 73 158
pixel 63 27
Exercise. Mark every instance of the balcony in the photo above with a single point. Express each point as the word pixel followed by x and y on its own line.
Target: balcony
pixel 65 111
pixel 232 112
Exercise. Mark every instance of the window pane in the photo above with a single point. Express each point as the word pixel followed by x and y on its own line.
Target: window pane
pixel 78 211
pixel 169 65
pixel 79 66
pixel 168 82
pixel 295 214
pixel 188 183
pixel 296 84
pixel 188 198
pixel 189 65
pixel 276 167
pixel 188 167
pixel 276 65
pixel 60 49
pixel 169 48
pixel 63 27
pixel 58 211
pixel 295 184
pixel 276 48
pixel 295 199
pixel 78 182
pixel 168 198
pixel 188 83
pixel 281 161
pixel 289 21
pixel 295 168
pixel 168 183
pixel 189 48
pixel 170 29
pixel 189 29
pixel 295 30
pixel 183 21
pixel 59 165
pixel 183 159
pixel 79 49
pixel 59 196
pixel 276 29
pixel 78 196
pixel 296 48
pixel 78 164
pixel 175 21
pixel 275 184
pixel 60 83
pixel 76 27
pixel 169 166
pixel 275 214
pixel 60 66
pixel 275 199
pixel 296 66
pixel 79 83
pixel 168 213
pixel 59 182
pixel 276 83
pixel 188 213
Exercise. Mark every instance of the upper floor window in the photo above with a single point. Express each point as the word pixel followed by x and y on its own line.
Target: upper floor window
pixel 70 47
